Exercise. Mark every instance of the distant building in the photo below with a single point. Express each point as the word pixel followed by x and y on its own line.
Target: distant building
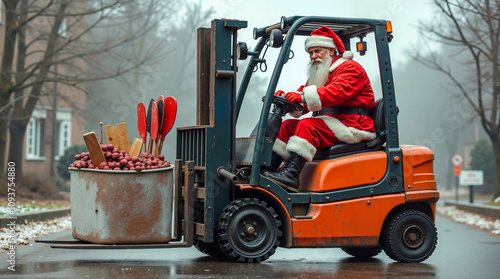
pixel 69 107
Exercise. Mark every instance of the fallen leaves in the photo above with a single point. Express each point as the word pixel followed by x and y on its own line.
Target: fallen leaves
pixel 30 230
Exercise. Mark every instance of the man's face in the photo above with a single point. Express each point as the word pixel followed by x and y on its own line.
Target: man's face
pixel 318 54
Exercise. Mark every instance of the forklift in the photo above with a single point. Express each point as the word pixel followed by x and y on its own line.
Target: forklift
pixel 363 198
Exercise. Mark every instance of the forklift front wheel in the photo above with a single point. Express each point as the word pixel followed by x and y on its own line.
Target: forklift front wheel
pixel 248 230
pixel 410 237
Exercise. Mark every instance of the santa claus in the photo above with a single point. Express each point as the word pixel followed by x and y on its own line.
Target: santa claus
pixel 339 94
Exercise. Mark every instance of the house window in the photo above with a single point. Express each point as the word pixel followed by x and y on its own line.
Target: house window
pixel 1 10
pixel 34 135
pixel 64 137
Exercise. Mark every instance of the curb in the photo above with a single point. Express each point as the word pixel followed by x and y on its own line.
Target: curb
pixel 487 210
pixel 34 216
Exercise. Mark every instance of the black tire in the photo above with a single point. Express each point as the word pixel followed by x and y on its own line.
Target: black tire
pixel 248 230
pixel 211 249
pixel 410 237
pixel 363 253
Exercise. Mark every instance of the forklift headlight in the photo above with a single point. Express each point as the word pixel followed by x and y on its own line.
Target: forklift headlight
pixel 283 23
pixel 242 51
pixel 276 38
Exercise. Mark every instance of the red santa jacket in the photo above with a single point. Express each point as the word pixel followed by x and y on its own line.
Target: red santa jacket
pixel 348 85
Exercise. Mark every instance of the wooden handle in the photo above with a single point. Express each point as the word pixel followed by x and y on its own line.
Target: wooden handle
pixel 156 150
pixel 101 142
pixel 135 150
pixel 94 148
pixel 161 146
pixel 150 147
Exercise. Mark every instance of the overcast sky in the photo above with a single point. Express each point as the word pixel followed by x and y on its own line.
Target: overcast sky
pixel 404 15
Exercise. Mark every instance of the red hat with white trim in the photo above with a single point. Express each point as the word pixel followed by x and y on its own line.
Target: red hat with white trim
pixel 325 37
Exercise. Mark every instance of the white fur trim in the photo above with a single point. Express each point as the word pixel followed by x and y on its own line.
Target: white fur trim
pixel 318 41
pixel 337 63
pixel 302 147
pixel 312 98
pixel 280 148
pixel 344 133
pixel 348 55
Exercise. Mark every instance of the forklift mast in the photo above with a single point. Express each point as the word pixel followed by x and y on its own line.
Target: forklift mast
pixel 210 144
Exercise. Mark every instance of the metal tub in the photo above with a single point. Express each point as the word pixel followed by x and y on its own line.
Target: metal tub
pixel 122 207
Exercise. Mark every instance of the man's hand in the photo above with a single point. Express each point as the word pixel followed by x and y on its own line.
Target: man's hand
pixel 279 93
pixel 292 97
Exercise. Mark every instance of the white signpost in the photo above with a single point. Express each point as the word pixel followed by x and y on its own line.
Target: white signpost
pixel 471 178
pixel 457 161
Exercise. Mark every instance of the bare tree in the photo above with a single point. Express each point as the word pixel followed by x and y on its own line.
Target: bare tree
pixel 35 34
pixel 472 27
pixel 173 76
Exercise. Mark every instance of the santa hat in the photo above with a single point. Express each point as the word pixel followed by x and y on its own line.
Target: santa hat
pixel 325 37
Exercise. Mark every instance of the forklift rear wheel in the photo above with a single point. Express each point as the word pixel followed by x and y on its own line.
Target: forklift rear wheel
pixel 410 237
pixel 248 230
pixel 362 252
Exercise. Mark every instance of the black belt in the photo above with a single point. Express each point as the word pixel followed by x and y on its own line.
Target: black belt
pixel 343 110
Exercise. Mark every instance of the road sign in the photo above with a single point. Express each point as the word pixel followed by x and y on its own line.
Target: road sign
pixel 457 159
pixel 471 178
pixel 457 169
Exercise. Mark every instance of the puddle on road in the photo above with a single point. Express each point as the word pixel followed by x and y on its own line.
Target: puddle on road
pixel 206 267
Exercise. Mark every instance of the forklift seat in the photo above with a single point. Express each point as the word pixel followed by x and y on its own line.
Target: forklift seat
pixel 333 151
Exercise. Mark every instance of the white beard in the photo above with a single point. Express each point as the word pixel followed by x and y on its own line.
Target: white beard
pixel 318 74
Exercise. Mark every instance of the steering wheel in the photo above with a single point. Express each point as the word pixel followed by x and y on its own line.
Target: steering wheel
pixel 282 103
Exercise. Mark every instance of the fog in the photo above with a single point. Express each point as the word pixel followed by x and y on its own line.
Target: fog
pixel 429 114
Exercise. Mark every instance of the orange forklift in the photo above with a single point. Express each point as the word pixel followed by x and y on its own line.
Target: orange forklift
pixel 363 198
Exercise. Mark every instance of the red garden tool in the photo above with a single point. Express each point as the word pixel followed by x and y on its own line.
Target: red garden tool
pixel 152 123
pixel 141 123
pixel 169 114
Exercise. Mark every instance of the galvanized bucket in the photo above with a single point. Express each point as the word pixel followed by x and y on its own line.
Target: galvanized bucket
pixel 122 207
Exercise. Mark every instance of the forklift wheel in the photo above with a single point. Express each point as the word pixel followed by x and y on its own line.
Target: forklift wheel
pixel 248 230
pixel 362 252
pixel 410 237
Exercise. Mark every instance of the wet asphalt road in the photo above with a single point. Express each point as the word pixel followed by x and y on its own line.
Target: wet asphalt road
pixel 462 252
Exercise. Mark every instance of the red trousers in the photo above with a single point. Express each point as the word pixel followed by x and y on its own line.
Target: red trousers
pixel 305 136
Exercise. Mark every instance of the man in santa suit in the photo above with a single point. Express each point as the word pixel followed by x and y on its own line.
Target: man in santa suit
pixel 339 94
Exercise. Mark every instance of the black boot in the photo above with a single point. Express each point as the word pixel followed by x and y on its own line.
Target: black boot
pixel 276 161
pixel 288 175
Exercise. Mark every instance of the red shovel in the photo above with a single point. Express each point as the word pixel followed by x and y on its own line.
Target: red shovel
pixel 153 125
pixel 141 123
pixel 169 114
